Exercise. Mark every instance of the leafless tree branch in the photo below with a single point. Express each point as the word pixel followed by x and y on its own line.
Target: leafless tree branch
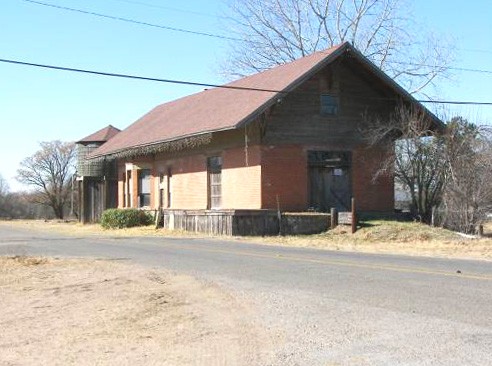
pixel 448 172
pixel 49 171
pixel 279 31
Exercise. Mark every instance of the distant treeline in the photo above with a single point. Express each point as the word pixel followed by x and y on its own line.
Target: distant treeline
pixel 23 205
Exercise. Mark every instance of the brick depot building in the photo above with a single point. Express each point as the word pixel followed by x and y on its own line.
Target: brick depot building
pixel 286 139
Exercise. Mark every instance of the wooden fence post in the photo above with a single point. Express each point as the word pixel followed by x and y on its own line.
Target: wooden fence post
pixel 354 217
pixel 333 218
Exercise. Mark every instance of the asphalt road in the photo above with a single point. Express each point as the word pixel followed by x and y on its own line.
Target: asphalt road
pixel 321 307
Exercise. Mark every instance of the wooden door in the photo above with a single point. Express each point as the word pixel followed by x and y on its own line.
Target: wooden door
pixel 330 181
pixel 94 200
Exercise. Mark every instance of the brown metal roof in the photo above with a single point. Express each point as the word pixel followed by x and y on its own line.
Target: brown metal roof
pixel 102 135
pixel 215 109
pixel 220 109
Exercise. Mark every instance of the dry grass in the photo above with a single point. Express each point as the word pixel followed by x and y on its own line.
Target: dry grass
pixel 375 236
pixel 87 312
pixel 74 228
pixel 380 236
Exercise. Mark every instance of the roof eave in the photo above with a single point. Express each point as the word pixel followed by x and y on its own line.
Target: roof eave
pixel 342 49
pixel 253 115
pixel 110 154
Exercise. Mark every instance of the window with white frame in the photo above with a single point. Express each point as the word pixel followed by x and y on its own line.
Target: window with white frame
pixel 214 168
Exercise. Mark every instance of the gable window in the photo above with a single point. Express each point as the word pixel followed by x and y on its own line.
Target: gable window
pixel 329 105
pixel 144 187
pixel 214 168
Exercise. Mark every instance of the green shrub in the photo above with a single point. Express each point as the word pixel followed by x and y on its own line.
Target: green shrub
pixel 116 218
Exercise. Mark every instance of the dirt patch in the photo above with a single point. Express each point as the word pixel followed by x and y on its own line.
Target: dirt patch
pixel 88 312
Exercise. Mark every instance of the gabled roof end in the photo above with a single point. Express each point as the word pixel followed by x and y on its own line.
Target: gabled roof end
pixel 102 135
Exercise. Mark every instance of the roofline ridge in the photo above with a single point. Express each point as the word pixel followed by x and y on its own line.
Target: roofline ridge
pixel 307 69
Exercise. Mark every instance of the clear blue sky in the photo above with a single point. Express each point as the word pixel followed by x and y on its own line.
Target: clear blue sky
pixel 43 105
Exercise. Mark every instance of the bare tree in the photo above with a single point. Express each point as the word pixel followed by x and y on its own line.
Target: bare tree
pixel 20 205
pixel 4 192
pixel 49 172
pixel 418 163
pixel 4 187
pixel 279 31
pixel 447 171
pixel 468 195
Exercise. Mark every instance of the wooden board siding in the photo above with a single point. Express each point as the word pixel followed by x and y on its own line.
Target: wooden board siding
pixel 244 222
pixel 91 199
pixel 95 196
pixel 216 223
pixel 297 118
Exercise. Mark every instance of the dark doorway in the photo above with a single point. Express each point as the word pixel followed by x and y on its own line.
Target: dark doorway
pixel 93 203
pixel 95 196
pixel 330 180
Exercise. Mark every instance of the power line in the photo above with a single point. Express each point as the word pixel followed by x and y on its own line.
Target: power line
pixel 228 18
pixel 193 83
pixel 133 21
pixel 455 102
pixel 136 77
pixel 447 67
pixel 213 35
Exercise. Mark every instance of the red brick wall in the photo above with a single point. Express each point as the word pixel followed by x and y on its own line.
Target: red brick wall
pixel 284 175
pixel 189 182
pixel 375 196
pixel 254 179
pixel 241 178
pixel 134 186
pixel 160 167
